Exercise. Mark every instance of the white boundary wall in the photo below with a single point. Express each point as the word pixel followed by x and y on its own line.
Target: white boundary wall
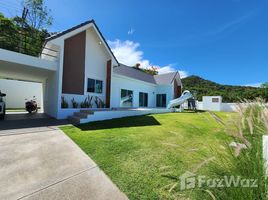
pixel 214 103
pixel 265 151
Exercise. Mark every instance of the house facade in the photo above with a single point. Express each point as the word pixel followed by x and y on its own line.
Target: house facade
pixel 83 72
pixel 88 68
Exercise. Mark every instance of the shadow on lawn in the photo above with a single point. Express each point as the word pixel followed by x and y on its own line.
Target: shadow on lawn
pixel 120 123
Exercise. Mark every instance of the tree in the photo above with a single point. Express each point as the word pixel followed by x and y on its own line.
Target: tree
pixel 152 70
pixel 16 35
pixel 8 39
pixel 264 85
pixel 37 14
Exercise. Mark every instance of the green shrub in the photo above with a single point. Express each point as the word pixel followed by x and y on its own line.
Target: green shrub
pixel 64 103
pixel 74 103
pixel 99 103
pixel 87 103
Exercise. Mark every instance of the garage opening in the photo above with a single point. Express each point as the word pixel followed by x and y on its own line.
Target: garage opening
pixel 30 76
pixel 17 94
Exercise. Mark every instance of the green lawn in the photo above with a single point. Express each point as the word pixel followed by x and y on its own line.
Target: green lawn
pixel 140 153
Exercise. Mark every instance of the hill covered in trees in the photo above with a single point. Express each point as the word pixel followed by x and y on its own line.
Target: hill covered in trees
pixel 229 93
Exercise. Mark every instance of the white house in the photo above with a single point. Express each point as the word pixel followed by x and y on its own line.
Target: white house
pixel 77 65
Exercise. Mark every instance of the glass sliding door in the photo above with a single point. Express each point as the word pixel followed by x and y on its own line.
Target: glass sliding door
pixel 126 98
pixel 143 99
pixel 161 100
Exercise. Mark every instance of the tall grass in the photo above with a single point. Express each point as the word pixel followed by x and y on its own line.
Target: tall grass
pixel 246 159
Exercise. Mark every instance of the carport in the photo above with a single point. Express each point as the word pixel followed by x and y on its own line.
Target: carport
pixel 17 66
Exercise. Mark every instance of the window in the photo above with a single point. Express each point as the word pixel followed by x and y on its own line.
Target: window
pixel 215 100
pixel 98 87
pixel 161 100
pixel 143 99
pixel 126 98
pixel 94 86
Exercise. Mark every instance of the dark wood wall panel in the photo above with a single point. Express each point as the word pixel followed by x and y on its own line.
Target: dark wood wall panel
pixel 177 90
pixel 108 83
pixel 74 64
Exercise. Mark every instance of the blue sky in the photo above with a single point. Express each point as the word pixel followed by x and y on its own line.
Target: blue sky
pixel 225 41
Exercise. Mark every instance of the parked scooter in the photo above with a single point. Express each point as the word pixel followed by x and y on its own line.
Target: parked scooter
pixel 2 106
pixel 31 106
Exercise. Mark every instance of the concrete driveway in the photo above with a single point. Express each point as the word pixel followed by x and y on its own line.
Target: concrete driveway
pixel 41 162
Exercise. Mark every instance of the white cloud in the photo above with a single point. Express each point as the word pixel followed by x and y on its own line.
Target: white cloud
pixel 183 74
pixel 169 68
pixel 131 31
pixel 166 69
pixel 254 84
pixel 127 53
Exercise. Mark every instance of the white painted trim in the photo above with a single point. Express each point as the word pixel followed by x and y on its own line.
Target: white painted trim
pixel 22 59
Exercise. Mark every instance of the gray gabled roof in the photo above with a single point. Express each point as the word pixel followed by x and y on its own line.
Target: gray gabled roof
pixel 134 73
pixel 165 79
pixel 70 30
pixel 131 72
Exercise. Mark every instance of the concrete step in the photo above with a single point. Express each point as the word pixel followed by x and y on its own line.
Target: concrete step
pixel 89 112
pixel 74 119
pixel 81 114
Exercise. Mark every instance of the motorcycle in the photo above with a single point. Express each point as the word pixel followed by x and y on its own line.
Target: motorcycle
pixel 31 106
pixel 2 106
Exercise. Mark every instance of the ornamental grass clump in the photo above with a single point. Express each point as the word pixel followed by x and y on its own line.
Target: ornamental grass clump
pixel 244 157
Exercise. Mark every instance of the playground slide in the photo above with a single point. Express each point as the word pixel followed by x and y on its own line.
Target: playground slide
pixel 183 98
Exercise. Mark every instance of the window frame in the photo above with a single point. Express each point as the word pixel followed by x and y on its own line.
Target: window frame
pixel 144 99
pixel 132 103
pixel 95 85
pixel 161 101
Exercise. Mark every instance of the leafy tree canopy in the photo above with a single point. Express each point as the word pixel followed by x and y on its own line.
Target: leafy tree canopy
pixel 38 15
pixel 26 34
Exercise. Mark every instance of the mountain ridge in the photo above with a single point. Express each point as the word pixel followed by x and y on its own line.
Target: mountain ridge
pixel 230 93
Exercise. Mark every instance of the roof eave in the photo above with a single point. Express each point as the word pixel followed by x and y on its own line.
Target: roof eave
pixel 80 26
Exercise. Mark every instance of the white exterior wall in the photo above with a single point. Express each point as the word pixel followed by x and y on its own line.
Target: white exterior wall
pixel 165 89
pixel 18 66
pixel 265 152
pixel 51 97
pixel 122 82
pixel 225 107
pixel 97 55
pixel 105 115
pixel 96 62
pixel 199 105
pixel 18 91
pixel 95 66
pixel 96 59
pixel 22 59
pixel 228 107
pixel 209 105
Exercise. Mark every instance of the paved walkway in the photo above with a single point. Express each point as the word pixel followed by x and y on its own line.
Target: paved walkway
pixel 41 162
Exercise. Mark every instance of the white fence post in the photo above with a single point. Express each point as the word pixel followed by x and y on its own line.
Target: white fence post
pixel 265 151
